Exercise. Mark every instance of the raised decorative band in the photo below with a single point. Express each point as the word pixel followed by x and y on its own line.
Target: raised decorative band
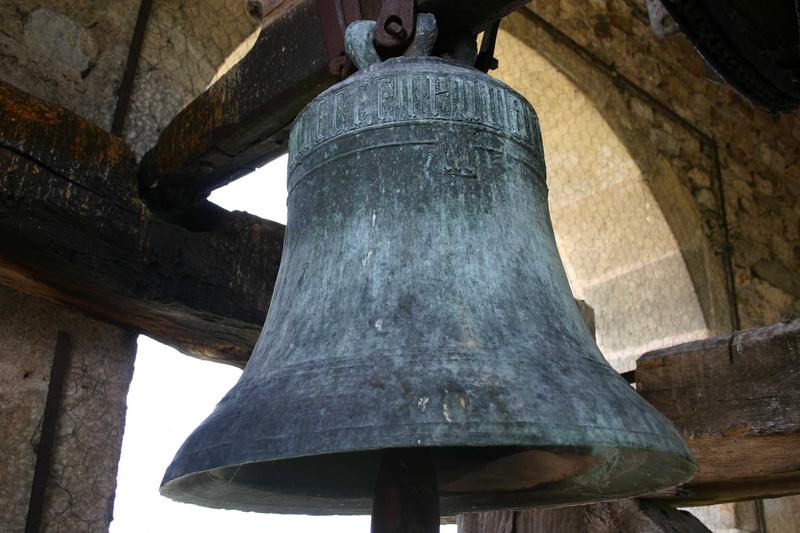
pixel 414 96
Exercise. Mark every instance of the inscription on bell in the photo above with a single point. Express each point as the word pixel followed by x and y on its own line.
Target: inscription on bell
pixel 460 158
pixel 410 97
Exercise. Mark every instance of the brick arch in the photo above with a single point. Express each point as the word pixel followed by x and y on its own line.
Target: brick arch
pixel 634 244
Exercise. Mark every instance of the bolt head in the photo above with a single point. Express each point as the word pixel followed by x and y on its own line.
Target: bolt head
pixel 395 29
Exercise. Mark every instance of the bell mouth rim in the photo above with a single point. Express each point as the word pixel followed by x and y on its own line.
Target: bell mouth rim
pixel 436 434
pixel 624 471
pixel 220 488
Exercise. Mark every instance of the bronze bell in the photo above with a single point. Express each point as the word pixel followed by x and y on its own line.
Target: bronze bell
pixel 421 302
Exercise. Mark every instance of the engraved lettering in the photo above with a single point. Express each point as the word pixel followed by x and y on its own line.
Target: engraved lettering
pixel 502 109
pixel 459 157
pixel 420 95
pixel 370 110
pixel 457 89
pixel 431 83
pixel 335 118
pixel 485 103
pixel 441 102
pixel 320 112
pixel 318 127
pixel 313 125
pixel 416 107
pixel 386 98
pixel 497 106
pixel 366 110
pixel 401 109
pixel 469 102
pixel 515 123
pixel 456 99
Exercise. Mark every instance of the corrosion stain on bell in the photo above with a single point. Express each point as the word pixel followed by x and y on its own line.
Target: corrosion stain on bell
pixel 449 324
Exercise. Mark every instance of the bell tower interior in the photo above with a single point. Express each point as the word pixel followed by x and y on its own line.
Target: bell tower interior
pixel 674 195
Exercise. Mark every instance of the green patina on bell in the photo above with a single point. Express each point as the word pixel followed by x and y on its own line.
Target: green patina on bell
pixel 421 302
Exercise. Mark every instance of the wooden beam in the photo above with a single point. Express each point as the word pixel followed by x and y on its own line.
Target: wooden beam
pixel 73 229
pixel 736 400
pixel 242 121
pixel 607 517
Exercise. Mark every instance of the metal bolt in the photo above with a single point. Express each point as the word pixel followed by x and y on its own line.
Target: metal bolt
pixel 394 28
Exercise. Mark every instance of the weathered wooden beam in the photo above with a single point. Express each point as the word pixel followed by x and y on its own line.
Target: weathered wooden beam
pixel 242 121
pixel 736 400
pixel 608 517
pixel 73 229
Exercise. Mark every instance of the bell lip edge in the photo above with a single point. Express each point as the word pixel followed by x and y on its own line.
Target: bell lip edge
pixel 673 445
pixel 687 458
pixel 686 463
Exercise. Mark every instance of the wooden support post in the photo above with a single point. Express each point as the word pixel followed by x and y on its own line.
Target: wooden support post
pixel 242 121
pixel 406 496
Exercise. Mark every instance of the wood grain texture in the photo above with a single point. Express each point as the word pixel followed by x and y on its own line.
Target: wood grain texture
pixel 73 229
pixel 242 121
pixel 608 517
pixel 491 522
pixel 736 400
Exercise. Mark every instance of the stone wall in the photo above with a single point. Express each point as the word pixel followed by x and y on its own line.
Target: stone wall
pixel 618 249
pixel 782 514
pixel 73 53
pixel 187 46
pixel 758 153
pixel 81 478
pixel 666 168
pixel 67 52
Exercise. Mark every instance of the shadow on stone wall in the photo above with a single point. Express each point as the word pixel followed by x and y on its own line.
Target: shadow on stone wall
pixel 629 233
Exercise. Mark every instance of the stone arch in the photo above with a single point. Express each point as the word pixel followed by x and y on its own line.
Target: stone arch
pixel 631 238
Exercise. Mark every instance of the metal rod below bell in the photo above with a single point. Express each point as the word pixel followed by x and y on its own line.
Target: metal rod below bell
pixel 406 498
